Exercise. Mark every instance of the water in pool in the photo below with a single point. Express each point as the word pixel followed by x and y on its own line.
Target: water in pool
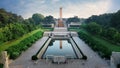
pixel 60 48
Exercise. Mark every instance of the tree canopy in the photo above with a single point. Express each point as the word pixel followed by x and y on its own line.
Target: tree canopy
pixel 13 26
pixel 38 18
pixel 49 20
pixel 115 20
pixel 103 19
pixel 73 19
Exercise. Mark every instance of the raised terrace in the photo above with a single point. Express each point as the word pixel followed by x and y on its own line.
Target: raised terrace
pixel 62 47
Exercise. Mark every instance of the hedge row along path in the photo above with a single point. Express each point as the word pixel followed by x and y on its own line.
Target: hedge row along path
pixel 8 44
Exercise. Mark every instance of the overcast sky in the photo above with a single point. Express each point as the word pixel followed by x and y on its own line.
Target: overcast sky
pixel 80 8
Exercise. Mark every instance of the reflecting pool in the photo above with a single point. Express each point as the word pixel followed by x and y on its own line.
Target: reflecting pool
pixel 60 48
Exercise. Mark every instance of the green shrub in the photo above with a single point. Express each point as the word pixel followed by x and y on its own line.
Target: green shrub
pixel 118 66
pixel 34 57
pixel 29 44
pixel 14 55
pixel 1 65
pixel 15 50
pixel 84 57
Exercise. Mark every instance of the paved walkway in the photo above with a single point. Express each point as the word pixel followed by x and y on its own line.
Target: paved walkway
pixel 60 29
pixel 93 61
pixel 25 58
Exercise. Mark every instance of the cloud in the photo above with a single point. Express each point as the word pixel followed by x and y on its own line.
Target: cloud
pixel 55 0
pixel 30 7
pixel 87 9
pixel 79 8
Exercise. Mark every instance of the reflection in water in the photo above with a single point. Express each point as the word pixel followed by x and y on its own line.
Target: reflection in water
pixel 60 44
pixel 60 48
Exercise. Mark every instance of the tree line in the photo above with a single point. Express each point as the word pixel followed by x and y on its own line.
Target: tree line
pixel 105 25
pixel 73 19
pixel 13 26
pixel 106 20
pixel 110 34
pixel 93 32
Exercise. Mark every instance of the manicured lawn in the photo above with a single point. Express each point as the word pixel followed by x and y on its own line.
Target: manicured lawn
pixel 8 44
pixel 109 45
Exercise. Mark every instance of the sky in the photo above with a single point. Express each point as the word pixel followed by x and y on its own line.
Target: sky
pixel 80 8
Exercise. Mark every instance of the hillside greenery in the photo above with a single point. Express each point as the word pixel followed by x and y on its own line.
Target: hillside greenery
pixel 102 33
pixel 17 34
pixel 106 20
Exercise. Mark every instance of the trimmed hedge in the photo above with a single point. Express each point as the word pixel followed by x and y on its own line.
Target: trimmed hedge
pixel 15 50
pixel 84 57
pixel 118 65
pixel 34 57
pixel 95 45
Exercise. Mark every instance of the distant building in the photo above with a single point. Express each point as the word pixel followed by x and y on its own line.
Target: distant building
pixel 74 25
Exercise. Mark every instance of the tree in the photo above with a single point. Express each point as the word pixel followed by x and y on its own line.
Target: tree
pixel 115 21
pixel 38 18
pixel 94 28
pixel 13 26
pixel 103 19
pixel 1 36
pixel 73 19
pixel 117 37
pixel 111 32
pixel 49 20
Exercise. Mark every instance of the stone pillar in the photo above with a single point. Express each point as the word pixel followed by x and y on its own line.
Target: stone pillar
pixel 60 13
pixel 60 44
pixel 60 21
pixel 5 59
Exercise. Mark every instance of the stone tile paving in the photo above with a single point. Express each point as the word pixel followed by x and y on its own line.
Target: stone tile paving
pixel 94 60
pixel 25 57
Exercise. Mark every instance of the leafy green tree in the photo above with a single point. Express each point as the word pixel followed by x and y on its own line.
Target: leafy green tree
pixel 94 28
pixel 49 20
pixel 7 34
pixel 103 19
pixel 13 26
pixel 38 18
pixel 111 32
pixel 1 36
pixel 73 19
pixel 30 20
pixel 117 37
pixel 115 21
